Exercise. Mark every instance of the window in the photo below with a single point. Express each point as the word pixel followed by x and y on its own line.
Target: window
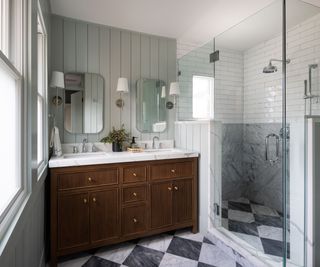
pixel 202 97
pixel 42 95
pixel 13 189
pixel 4 27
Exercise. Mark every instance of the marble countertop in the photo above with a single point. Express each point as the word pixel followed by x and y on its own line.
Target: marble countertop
pixel 93 158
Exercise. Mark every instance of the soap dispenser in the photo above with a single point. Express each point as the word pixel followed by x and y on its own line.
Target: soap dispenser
pixel 133 142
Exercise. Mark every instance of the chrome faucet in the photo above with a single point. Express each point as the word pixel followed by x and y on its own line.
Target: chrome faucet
pixel 153 141
pixel 84 148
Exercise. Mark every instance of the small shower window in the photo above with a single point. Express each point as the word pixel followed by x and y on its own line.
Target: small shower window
pixel 202 97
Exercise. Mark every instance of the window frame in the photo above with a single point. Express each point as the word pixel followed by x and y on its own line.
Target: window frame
pixel 211 97
pixel 41 167
pixel 15 61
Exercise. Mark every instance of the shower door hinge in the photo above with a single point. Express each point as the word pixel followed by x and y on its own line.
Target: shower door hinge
pixel 214 56
pixel 216 209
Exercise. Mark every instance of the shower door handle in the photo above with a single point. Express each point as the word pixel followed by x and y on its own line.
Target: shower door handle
pixel 276 158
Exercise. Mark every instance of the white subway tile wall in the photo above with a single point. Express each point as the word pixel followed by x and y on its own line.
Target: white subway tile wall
pixel 242 92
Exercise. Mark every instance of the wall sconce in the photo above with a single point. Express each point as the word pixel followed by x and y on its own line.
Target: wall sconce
pixel 57 81
pixel 174 91
pixel 122 87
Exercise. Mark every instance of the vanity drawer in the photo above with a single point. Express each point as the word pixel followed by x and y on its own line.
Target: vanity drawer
pixel 134 174
pixel 171 170
pixel 134 194
pixel 134 220
pixel 108 176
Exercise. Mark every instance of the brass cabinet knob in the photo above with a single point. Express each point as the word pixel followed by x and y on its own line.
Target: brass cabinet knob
pixel 94 199
pixel 90 179
pixel 85 201
pixel 173 170
pixel 134 194
pixel 135 220
pixel 169 188
pixel 134 174
pixel 176 188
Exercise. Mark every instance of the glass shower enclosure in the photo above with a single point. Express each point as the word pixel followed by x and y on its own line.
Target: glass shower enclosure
pixel 266 86
pixel 266 82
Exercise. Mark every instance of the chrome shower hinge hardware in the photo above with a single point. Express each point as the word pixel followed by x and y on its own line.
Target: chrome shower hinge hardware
pixel 216 209
pixel 287 133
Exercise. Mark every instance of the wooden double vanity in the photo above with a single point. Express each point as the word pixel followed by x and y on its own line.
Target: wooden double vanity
pixel 97 205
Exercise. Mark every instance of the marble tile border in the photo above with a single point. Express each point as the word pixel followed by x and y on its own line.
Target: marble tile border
pixel 237 250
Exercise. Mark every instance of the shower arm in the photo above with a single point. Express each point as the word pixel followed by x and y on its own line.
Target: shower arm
pixel 279 60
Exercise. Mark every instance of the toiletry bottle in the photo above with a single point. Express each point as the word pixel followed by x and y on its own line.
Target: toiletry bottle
pixel 133 142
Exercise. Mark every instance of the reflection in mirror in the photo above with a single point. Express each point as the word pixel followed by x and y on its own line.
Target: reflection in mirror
pixel 83 103
pixel 151 110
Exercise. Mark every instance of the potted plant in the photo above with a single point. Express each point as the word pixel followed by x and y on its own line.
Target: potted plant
pixel 116 137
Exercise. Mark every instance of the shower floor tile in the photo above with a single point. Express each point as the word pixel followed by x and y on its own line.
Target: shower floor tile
pixel 258 225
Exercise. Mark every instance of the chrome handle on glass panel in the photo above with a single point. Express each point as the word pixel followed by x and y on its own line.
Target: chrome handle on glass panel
pixel 276 158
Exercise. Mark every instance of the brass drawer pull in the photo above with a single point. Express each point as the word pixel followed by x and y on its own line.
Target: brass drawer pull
pixel 135 220
pixel 169 188
pixel 134 194
pixel 176 188
pixel 85 201
pixel 90 179
pixel 173 171
pixel 134 174
pixel 94 199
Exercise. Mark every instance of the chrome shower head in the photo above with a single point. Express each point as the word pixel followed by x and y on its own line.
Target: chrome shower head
pixel 270 68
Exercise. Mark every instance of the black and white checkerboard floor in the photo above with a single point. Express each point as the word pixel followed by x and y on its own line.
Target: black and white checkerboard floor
pixel 179 249
pixel 258 225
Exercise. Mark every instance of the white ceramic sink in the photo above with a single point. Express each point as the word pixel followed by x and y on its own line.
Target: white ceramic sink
pixel 85 155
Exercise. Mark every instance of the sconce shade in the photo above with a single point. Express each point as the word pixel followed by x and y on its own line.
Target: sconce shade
pixel 174 88
pixel 123 85
pixel 57 79
pixel 163 92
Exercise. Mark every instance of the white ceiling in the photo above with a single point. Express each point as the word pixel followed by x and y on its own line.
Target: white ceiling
pixel 190 21
pixel 265 25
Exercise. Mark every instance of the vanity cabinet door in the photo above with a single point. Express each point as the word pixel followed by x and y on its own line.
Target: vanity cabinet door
pixel 161 205
pixel 73 220
pixel 182 200
pixel 104 215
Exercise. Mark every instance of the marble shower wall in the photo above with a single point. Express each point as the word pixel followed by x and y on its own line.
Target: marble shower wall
pixel 245 171
pixel 233 183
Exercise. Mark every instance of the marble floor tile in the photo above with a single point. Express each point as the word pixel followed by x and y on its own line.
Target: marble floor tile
pixel 75 262
pixel 212 255
pixel 241 227
pixel 159 242
pixel 270 232
pixel 253 241
pixel 170 260
pixel 225 223
pixel 201 264
pixel 185 248
pixel 264 210
pixel 272 247
pixel 239 206
pixel 224 213
pixel 240 216
pixel 268 220
pixel 116 253
pixel 241 200
pixel 224 204
pixel 206 240
pixel 144 257
pixel 189 235
pixel 99 262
